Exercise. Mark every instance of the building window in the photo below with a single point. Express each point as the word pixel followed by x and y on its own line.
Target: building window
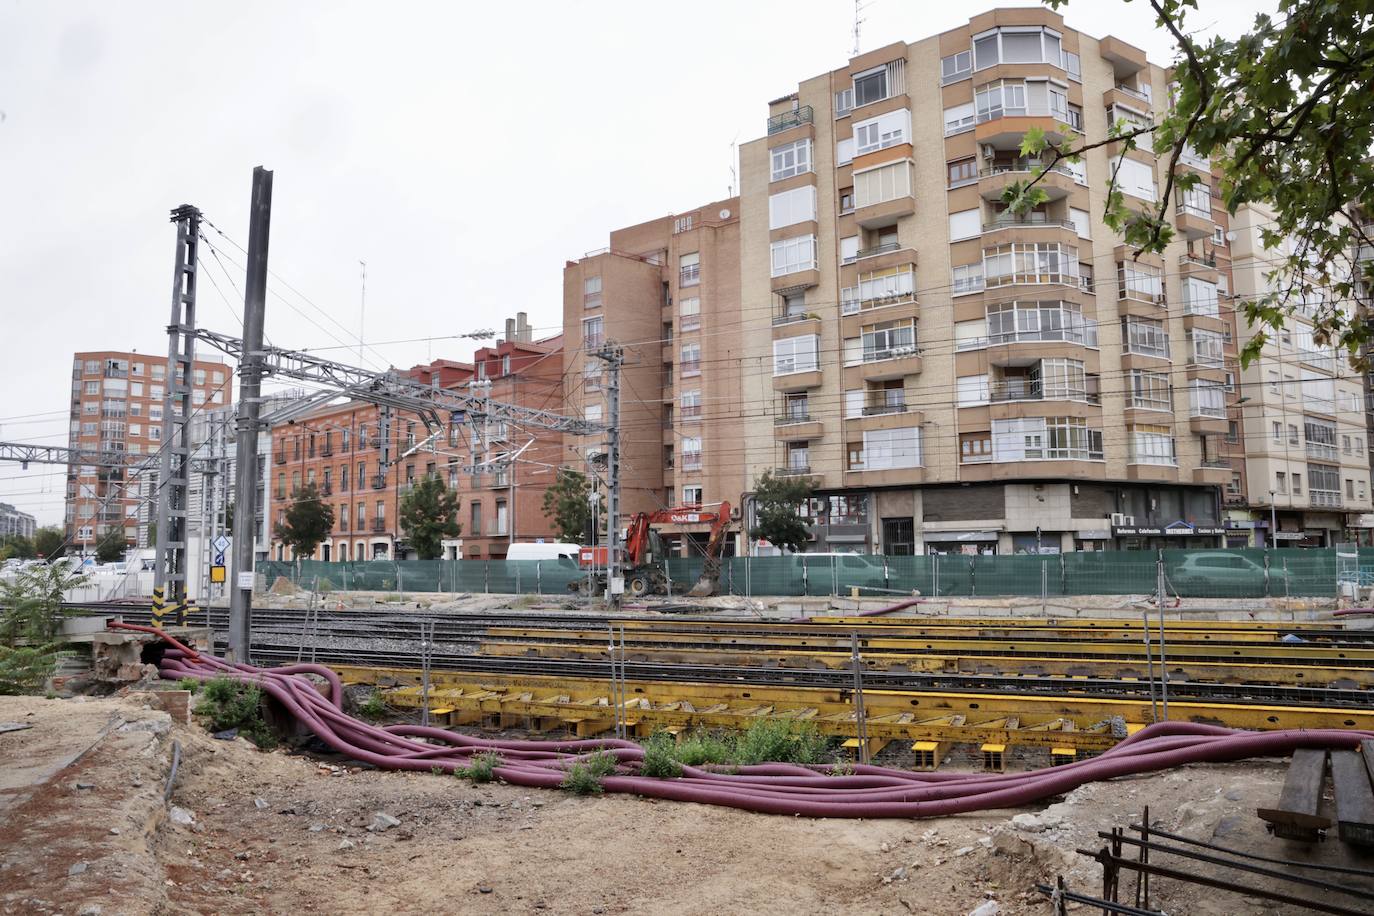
pixel 592 334
pixel 962 172
pixel 795 354
pixel 690 362
pixel 1140 282
pixel 1040 262
pixel 844 102
pixel 888 182
pixel 1150 390
pixel 591 292
pixel 1297 484
pixel 1233 486
pixel 870 86
pixel 956 67
pixel 790 159
pixel 691 496
pixel 1145 337
pixel 1199 297
pixel 1017 45
pixel 889 129
pixel 1135 178
pixel 689 269
pixel 967 278
pixel 892 448
pixel 794 254
pixel 1280 482
pixel 1152 445
pixel 691 453
pixel 960 118
pixel 690 405
pixel 1073 66
pixel 787 208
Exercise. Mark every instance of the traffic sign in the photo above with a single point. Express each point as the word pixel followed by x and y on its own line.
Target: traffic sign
pixel 219 559
pixel 220 543
pixel 217 573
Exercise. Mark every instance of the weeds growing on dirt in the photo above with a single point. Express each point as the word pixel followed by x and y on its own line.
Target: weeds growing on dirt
pixel 374 707
pixel 765 741
pixel 227 703
pixel 659 760
pixel 580 780
pixel 189 683
pixel 482 768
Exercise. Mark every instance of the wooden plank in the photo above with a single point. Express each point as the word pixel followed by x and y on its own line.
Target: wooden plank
pixel 1354 798
pixel 1367 752
pixel 1296 816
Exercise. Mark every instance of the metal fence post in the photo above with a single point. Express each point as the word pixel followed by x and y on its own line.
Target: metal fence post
pixel 935 575
pixel 539 577
pixel 860 717
pixel 486 577
pixel 667 577
pixel 973 576
pixel 400 581
pixel 834 578
pixel 806 580
pixel 748 581
pixel 1268 591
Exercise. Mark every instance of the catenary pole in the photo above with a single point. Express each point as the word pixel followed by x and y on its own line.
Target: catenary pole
pixel 246 427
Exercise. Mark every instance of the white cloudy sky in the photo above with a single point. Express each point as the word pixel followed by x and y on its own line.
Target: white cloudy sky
pixel 463 150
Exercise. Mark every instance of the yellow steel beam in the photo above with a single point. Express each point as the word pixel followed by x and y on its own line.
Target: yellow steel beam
pixel 1048 721
pixel 1304 653
pixel 1257 671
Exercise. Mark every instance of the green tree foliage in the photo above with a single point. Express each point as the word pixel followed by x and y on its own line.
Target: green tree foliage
pixel 776 500
pixel 565 503
pixel 111 546
pixel 429 513
pixel 49 543
pixel 29 620
pixel 308 522
pixel 1283 113
pixel 16 545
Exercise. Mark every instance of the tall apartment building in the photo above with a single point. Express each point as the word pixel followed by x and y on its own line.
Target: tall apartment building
pixel 15 523
pixel 668 291
pixel 1304 415
pixel 117 401
pixel 338 448
pixel 955 377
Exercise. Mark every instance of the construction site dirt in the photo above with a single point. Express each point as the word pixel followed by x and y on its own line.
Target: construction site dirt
pixel 84 829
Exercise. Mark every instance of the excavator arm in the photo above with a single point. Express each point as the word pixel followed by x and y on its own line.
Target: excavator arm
pixel 710 570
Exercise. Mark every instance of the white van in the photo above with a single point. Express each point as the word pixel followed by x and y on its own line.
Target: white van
pixel 546 551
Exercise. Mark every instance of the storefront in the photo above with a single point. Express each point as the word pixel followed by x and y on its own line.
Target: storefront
pixel 964 543
pixel 1179 534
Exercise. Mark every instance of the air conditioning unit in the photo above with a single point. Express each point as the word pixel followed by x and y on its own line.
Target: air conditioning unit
pixel 989 151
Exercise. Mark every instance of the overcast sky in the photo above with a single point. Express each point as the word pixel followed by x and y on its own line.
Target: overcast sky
pixel 463 150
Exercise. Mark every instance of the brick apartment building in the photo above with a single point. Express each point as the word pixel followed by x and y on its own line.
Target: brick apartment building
pixel 668 291
pixel 338 448
pixel 116 405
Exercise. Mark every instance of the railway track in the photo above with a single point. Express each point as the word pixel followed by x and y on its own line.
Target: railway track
pixel 1227 662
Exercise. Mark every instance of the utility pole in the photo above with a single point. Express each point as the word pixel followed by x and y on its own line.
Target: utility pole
pixel 169 571
pixel 246 426
pixel 614 357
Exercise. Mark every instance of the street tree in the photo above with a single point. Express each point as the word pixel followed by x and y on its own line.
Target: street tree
pixel 566 505
pixel 429 513
pixel 1283 113
pixel 17 546
pixel 776 516
pixel 308 522
pixel 49 543
pixel 111 546
pixel 30 613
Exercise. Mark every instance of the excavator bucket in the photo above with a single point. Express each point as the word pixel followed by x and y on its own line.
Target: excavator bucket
pixel 705 587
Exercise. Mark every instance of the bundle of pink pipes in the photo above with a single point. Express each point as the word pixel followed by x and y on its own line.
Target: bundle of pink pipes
pixel 772 788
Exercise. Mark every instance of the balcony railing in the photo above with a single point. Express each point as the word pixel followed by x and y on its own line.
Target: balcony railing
pixel 1321 450
pixel 1327 498
pixel 326 489
pixel 799 470
pixel 691 461
pixel 1133 92
pixel 1212 413
pixel 1191 210
pixel 1214 463
pixel 788 119
pixel 1022 165
pixel 876 250
pixel 327 451
pixel 1204 261
pixel 1035 391
pixel 1084 332
pixel 790 318
pixel 379 524
pixel 1319 405
pixel 379 481
pixel 1028 221
pixel 788 419
pixel 878 410
pixel 690 367
pixel 885 353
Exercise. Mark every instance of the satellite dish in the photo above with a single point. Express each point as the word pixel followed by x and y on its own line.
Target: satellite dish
pixel 724 214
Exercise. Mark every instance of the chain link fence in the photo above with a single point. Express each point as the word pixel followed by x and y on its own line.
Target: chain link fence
pixel 1280 573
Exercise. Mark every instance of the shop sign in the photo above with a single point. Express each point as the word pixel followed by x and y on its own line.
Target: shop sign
pixel 1289 535
pixel 1176 530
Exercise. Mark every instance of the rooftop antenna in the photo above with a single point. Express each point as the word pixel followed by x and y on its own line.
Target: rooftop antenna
pixel 858 21
pixel 362 311
pixel 733 176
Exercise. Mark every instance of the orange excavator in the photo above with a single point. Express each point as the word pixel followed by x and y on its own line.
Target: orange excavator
pixel 645 556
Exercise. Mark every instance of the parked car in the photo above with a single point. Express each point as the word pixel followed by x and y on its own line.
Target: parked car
pixel 1223 574
pixel 850 570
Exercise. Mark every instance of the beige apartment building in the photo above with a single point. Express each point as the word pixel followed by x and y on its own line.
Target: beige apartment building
pixel 668 292
pixel 1304 416
pixel 954 378
pixel 117 405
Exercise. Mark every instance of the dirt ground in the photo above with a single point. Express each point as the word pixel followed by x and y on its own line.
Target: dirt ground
pixel 84 830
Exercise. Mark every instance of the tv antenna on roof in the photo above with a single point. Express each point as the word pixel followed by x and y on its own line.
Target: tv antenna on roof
pixel 859 7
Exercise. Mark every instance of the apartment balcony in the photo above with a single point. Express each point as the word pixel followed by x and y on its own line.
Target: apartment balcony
pixel 858 474
pixel 378 481
pixel 690 461
pixel 1150 405
pixel 1151 470
pixel 326 489
pixel 497 530
pixel 1201 320
pixel 1193 223
pixel 1324 499
pixel 796 428
pixel 1009 390
pixel 790 119
pixel 796 325
pixel 796 470
pixel 1130 97
pixel 1058 182
pixel 885 213
pixel 797 381
pixel 1192 160
pixel 890 363
pixel 378 525
pixel 1314 404
pixel 884 416
pixel 1213 472
pixel 1321 451
pixel 1025 347
pixel 1208 421
pixel 1006 128
pixel 1199 267
pixel 1030 227
pixel 796 281
pixel 327 451
pixel 1125 59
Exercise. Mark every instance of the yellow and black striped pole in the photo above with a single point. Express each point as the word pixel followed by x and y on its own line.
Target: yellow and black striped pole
pixel 158 607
